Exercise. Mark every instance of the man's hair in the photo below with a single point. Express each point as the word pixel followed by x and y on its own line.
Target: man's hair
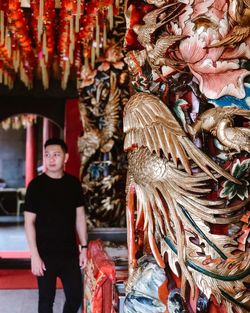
pixel 56 141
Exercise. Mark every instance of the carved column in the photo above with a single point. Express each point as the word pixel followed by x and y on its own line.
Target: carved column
pixel 49 130
pixel 103 94
pixel 31 157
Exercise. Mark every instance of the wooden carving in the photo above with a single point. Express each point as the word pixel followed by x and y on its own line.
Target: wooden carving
pixel 188 143
pixel 103 94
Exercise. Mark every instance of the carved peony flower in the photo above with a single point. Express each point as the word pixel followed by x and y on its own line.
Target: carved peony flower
pixel 113 57
pixel 217 69
pixel 87 76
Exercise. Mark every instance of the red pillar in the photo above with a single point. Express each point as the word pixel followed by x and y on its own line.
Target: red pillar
pixel 49 130
pixel 31 160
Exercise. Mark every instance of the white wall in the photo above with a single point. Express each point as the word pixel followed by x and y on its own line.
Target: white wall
pixel 12 157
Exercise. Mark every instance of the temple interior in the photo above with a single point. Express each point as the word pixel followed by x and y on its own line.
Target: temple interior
pixel 152 99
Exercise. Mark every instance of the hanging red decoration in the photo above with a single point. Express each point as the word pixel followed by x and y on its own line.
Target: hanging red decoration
pixel 43 25
pixel 19 39
pixel 70 14
pixel 31 38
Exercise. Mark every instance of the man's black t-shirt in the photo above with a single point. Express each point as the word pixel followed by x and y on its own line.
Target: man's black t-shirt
pixel 54 201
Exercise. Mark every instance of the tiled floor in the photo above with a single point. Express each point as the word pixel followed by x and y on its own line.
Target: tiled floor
pixel 12 238
pixel 25 301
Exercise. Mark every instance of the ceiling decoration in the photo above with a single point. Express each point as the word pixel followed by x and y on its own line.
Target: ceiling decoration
pixel 18 121
pixel 41 39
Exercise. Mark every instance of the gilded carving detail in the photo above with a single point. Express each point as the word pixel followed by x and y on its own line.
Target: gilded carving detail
pixel 187 138
pixel 103 94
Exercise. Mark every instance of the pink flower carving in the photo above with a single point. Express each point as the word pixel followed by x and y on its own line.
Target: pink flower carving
pixel 217 69
pixel 87 76
pixel 113 56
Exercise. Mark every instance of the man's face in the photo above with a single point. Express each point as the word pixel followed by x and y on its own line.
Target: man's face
pixel 55 158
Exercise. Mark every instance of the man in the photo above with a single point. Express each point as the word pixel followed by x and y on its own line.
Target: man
pixel 54 213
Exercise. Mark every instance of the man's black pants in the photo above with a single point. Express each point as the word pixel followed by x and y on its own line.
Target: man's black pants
pixel 68 270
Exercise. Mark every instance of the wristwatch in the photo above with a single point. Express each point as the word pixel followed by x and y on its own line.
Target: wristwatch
pixel 84 247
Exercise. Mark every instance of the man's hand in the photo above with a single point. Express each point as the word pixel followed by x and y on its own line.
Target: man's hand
pixel 83 258
pixel 37 266
pixel 81 229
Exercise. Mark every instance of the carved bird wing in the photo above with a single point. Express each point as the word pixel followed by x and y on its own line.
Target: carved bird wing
pixel 209 119
pixel 242 5
pixel 231 111
pixel 161 47
pixel 149 123
pixel 145 31
pixel 171 202
pixel 219 121
pixel 111 116
pixel 238 34
pixel 151 17
pixel 237 138
pixel 247 3
pixel 240 12
pixel 86 122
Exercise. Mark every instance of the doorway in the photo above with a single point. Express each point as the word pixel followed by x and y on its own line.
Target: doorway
pixel 13 172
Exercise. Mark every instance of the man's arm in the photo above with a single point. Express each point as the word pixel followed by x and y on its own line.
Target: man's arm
pixel 81 228
pixel 37 265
